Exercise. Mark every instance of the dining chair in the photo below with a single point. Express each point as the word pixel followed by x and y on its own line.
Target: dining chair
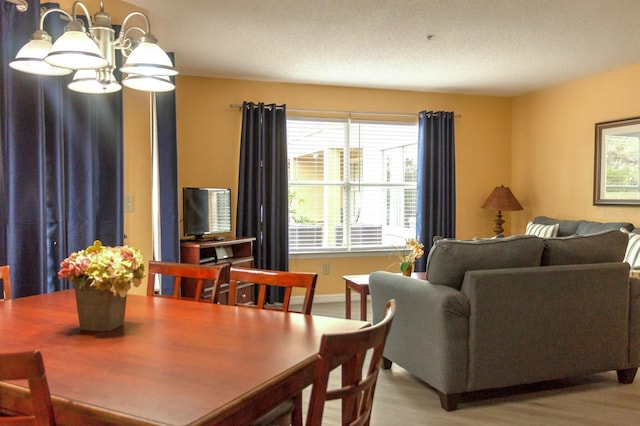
pixel 5 276
pixel 28 366
pixel 194 276
pixel 351 352
pixel 262 278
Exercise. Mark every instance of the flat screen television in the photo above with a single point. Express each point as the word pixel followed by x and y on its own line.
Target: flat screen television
pixel 206 211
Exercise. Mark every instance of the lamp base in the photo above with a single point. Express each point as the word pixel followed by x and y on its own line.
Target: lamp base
pixel 498 230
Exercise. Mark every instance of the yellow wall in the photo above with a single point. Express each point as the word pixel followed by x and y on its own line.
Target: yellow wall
pixel 554 145
pixel 209 135
pixel 137 173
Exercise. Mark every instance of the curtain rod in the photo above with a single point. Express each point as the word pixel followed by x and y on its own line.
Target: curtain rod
pixel 330 111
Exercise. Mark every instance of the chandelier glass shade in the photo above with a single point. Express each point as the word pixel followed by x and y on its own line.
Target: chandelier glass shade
pixel 92 54
pixel 90 81
pixel 75 50
pixel 30 58
pixel 149 83
pixel 149 59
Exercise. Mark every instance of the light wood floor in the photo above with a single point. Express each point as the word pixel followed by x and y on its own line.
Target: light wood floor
pixel 401 399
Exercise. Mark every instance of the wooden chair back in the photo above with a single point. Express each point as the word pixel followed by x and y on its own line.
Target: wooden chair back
pixel 194 277
pixel 350 350
pixel 263 278
pixel 5 276
pixel 28 366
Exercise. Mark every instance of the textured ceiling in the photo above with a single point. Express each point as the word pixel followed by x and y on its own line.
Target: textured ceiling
pixel 488 47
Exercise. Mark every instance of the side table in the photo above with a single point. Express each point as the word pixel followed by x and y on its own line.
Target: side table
pixel 360 284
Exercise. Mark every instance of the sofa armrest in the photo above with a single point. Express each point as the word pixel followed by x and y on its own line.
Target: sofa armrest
pixel 429 332
pixel 535 324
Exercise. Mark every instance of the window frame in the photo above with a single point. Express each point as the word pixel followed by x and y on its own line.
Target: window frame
pixel 349 185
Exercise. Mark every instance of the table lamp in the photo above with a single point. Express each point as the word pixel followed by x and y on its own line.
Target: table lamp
pixel 501 199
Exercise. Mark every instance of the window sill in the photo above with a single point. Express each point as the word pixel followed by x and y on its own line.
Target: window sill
pixel 341 253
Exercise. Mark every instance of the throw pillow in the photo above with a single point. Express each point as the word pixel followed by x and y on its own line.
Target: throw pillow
pixel 565 227
pixel 607 246
pixel 542 231
pixel 632 255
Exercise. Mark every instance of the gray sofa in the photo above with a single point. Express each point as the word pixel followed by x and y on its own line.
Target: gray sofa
pixel 583 227
pixel 503 312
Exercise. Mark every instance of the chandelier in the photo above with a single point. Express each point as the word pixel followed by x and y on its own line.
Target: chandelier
pixel 91 54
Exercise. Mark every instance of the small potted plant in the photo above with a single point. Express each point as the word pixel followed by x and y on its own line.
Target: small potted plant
pixel 413 250
pixel 102 277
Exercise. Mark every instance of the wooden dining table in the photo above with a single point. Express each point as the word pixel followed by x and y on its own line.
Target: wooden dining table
pixel 174 362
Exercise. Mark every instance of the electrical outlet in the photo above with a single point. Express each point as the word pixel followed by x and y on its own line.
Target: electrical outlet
pixel 325 268
pixel 128 203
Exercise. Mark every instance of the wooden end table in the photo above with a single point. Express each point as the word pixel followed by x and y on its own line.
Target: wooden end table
pixel 360 284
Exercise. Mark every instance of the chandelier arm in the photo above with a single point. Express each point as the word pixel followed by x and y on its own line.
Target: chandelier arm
pixel 49 11
pixel 135 28
pixel 131 15
pixel 84 8
pixel 124 43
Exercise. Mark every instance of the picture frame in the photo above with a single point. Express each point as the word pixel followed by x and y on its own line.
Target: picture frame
pixel 617 163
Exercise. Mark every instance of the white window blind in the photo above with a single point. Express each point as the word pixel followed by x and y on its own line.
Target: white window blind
pixel 352 184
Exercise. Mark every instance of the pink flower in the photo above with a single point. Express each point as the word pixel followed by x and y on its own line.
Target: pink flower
pixel 73 267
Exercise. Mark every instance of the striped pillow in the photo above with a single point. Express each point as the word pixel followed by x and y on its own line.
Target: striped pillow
pixel 543 231
pixel 632 256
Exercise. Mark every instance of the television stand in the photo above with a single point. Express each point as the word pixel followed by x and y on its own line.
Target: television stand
pixel 201 238
pixel 236 251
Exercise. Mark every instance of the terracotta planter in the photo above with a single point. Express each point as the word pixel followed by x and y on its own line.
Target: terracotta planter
pixel 99 310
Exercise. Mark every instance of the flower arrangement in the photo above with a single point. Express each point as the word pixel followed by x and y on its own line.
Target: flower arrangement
pixel 105 268
pixel 412 251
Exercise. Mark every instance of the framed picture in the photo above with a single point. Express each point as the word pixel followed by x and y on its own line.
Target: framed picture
pixel 617 165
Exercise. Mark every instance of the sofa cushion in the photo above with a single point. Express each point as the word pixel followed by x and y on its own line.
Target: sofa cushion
pixel 586 227
pixel 449 259
pixel 540 230
pixel 607 246
pixel 581 227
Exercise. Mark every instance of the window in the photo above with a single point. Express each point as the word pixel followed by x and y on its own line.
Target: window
pixel 352 184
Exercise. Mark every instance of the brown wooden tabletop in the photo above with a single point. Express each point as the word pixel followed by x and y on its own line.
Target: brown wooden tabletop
pixel 175 362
